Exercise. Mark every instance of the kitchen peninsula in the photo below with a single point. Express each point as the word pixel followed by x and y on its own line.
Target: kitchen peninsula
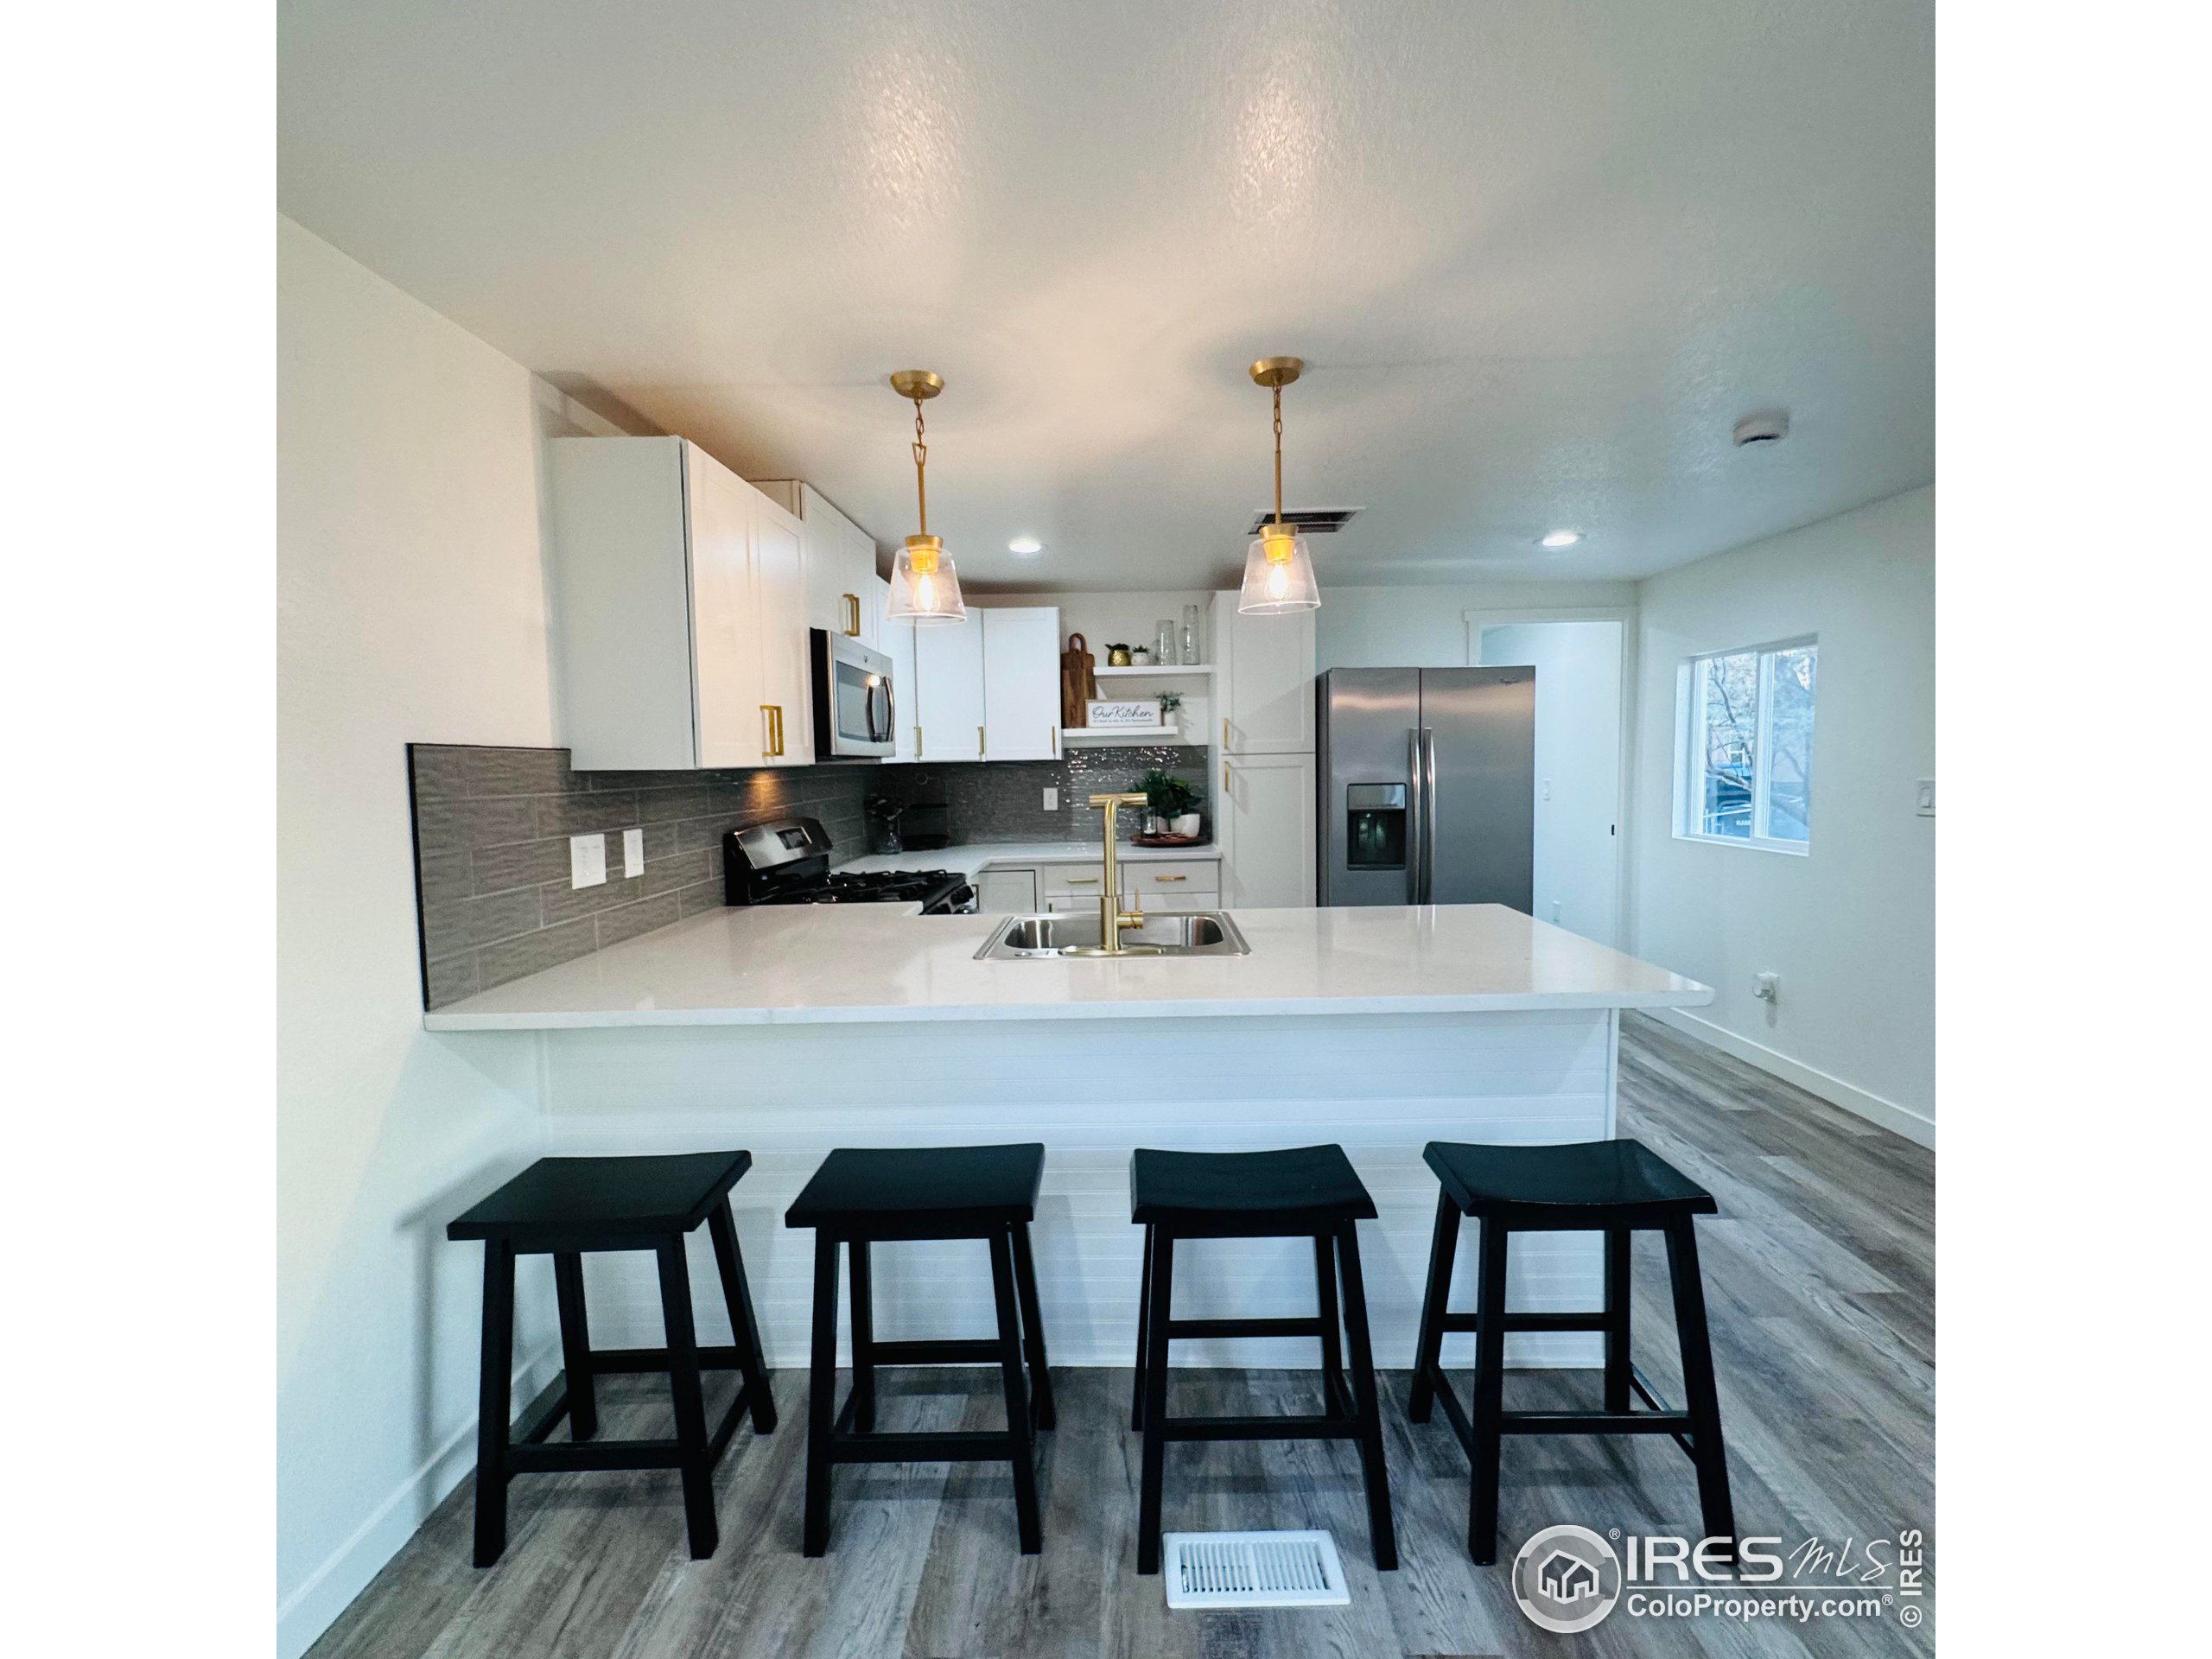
pixel 790 1030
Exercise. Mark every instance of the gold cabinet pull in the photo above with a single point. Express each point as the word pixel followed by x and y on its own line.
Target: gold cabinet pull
pixel 1055 732
pixel 1224 731
pixel 772 725
pixel 1224 776
pixel 853 607
pixel 1081 880
pixel 1171 877
pixel 980 750
pixel 918 740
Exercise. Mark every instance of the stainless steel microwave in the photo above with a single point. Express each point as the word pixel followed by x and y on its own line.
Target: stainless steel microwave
pixel 855 713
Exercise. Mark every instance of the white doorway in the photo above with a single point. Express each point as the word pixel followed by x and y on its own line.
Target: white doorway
pixel 1578 726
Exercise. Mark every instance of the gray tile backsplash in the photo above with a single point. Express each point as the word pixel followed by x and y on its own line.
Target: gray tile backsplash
pixel 491 828
pixel 491 852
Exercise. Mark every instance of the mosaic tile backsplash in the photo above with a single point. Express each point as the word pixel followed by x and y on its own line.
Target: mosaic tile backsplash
pixel 491 852
pixel 1003 800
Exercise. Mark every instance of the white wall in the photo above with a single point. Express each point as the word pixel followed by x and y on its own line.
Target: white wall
pixel 1426 628
pixel 411 606
pixel 1851 925
pixel 1578 855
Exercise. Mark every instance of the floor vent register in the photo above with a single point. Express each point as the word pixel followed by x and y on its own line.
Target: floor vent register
pixel 1253 1569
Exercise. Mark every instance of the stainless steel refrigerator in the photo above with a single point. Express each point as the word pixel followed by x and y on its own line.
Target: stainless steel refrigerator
pixel 1428 786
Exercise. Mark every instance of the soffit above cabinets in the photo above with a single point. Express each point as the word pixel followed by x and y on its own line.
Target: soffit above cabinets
pixel 1539 259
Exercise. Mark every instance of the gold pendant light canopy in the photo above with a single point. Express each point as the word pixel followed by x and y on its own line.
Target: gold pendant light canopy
pixel 1278 568
pixel 924 586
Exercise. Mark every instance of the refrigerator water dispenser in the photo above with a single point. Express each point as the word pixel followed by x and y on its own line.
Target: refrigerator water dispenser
pixel 1375 826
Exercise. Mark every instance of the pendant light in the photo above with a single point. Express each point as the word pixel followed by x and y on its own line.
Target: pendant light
pixel 924 589
pixel 1278 568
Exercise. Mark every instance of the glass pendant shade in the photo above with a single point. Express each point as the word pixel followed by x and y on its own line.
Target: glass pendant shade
pixel 924 586
pixel 1278 576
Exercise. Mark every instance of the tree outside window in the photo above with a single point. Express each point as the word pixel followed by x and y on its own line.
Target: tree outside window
pixel 1748 753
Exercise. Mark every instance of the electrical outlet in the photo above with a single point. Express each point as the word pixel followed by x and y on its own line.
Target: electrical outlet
pixel 586 860
pixel 634 853
pixel 1052 800
pixel 1923 798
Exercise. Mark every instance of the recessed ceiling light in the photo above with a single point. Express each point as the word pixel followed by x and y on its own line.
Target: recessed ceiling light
pixel 1025 545
pixel 1561 539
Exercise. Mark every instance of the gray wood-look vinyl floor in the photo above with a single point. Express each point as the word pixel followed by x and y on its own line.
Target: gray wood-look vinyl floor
pixel 1820 1278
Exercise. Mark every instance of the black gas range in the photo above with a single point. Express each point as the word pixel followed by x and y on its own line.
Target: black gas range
pixel 787 862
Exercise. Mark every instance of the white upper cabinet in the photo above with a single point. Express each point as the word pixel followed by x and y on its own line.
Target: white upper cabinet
pixel 948 700
pixel 1264 677
pixel 1022 683
pixel 840 562
pixel 896 641
pixel 679 611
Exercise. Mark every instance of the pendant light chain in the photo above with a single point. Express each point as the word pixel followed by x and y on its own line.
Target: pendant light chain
pixel 922 461
pixel 1278 454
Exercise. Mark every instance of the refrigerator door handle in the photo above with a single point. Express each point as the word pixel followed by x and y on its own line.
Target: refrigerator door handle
pixel 1428 816
pixel 1415 816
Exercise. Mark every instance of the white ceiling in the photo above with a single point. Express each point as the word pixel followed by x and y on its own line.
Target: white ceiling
pixel 1540 257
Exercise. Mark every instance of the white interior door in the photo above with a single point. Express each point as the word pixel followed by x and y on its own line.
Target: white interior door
pixel 1264 815
pixel 1022 683
pixel 948 674
pixel 1578 806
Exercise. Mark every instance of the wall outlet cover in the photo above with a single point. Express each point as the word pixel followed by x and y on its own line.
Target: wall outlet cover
pixel 586 860
pixel 1052 800
pixel 634 853
pixel 1923 798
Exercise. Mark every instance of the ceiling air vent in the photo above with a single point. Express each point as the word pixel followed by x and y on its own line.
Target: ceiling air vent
pixel 1317 521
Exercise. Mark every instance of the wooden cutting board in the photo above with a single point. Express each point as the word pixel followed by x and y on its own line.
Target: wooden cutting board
pixel 1079 681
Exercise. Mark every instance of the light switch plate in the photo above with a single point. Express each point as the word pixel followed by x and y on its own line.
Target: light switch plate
pixel 1923 798
pixel 586 860
pixel 633 853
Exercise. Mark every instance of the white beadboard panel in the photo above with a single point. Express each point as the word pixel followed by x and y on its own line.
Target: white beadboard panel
pixel 1381 1086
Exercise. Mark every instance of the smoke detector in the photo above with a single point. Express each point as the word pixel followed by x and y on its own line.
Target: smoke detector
pixel 1769 426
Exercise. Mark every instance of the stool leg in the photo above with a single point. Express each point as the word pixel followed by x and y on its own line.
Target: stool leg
pixel 856 1264
pixel 1160 1296
pixel 745 1330
pixel 691 1402
pixel 492 1402
pixel 1017 1395
pixel 1436 1302
pixel 1332 1354
pixel 1382 1535
pixel 1144 1336
pixel 1490 1394
pixel 821 1396
pixel 1032 1327
pixel 575 1345
pixel 1701 1395
pixel 1619 1296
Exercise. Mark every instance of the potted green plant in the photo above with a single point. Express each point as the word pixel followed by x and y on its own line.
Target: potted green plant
pixel 1169 703
pixel 1172 802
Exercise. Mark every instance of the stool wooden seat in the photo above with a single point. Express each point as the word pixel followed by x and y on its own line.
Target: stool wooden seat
pixel 1302 1191
pixel 1615 1187
pixel 565 1207
pixel 864 1196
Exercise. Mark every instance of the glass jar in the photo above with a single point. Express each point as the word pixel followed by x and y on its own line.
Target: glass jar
pixel 1192 658
pixel 1164 645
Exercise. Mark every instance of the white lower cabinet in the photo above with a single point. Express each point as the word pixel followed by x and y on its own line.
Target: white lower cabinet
pixel 1007 893
pixel 1264 819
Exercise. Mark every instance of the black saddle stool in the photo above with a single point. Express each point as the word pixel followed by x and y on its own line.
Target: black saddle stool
pixel 1305 1192
pixel 564 1207
pixel 861 1197
pixel 1610 1186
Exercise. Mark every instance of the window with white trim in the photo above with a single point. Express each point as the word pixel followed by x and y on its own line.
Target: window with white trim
pixel 1746 745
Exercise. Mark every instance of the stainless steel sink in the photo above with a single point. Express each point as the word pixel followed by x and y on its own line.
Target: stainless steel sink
pixel 1076 933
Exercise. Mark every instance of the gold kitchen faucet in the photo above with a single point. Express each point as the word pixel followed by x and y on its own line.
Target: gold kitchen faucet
pixel 1112 919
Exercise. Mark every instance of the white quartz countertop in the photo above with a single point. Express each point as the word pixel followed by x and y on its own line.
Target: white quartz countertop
pixel 804 964
pixel 972 857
